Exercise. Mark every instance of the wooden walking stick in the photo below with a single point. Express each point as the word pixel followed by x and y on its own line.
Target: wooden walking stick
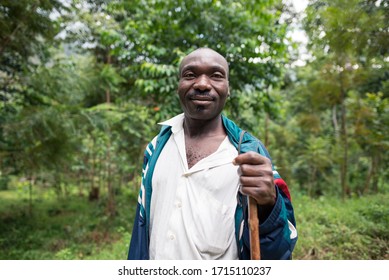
pixel 255 248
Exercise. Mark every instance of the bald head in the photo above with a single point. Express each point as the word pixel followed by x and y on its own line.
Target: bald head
pixel 204 55
pixel 203 87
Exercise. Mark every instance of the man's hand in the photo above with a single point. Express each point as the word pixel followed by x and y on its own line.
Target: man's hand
pixel 256 177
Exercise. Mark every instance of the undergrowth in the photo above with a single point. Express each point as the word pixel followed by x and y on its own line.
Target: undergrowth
pixel 74 228
pixel 67 229
pixel 331 229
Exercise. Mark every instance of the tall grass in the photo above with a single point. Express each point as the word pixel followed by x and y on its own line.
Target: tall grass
pixel 329 228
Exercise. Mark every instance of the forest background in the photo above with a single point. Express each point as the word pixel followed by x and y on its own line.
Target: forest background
pixel 84 83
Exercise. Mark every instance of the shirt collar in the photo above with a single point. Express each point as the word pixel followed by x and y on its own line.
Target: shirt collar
pixel 177 123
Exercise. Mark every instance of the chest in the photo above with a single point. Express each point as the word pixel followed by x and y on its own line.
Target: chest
pixel 198 149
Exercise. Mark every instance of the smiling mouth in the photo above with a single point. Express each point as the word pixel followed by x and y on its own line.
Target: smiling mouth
pixel 201 98
pixel 201 101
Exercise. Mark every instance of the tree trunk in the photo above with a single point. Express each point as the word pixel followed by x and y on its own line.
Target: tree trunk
pixel 85 176
pixel 344 140
pixel 111 195
pixel 79 183
pixel 335 120
pixel 101 171
pixel 68 174
pixel 368 178
pixel 94 193
pixel 57 185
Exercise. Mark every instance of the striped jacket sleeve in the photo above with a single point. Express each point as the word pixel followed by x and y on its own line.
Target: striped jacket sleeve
pixel 139 240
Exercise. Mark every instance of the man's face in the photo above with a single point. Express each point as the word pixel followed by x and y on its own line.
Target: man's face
pixel 203 85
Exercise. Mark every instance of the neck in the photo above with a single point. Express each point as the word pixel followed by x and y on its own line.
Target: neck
pixel 198 128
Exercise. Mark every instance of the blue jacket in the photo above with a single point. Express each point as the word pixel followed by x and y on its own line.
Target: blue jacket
pixel 277 233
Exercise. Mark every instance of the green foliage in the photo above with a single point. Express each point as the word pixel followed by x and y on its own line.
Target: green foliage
pixel 25 28
pixel 330 229
pixel 315 160
pixel 337 101
pixel 253 45
pixel 65 229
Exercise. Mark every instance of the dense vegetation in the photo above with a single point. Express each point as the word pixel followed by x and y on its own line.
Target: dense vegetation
pixel 83 84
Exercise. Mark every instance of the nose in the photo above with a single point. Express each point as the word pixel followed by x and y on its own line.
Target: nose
pixel 202 83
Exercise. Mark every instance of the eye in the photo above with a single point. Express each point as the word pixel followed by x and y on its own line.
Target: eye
pixel 217 76
pixel 188 75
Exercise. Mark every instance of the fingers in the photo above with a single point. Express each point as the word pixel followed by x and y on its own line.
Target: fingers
pixel 255 181
pixel 264 195
pixel 253 164
pixel 261 188
pixel 255 170
pixel 256 177
pixel 250 158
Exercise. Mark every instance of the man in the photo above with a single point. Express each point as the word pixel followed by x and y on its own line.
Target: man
pixel 192 203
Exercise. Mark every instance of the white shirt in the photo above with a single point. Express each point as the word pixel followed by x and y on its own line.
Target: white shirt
pixel 192 210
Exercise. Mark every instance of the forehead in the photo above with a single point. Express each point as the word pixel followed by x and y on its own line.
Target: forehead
pixel 204 58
